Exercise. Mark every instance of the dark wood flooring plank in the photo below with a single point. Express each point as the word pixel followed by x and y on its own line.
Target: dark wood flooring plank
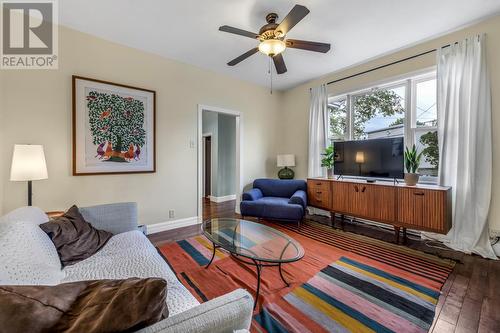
pixel 468 321
pixel 443 327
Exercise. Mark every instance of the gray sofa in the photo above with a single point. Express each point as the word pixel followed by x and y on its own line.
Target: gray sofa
pixel 127 254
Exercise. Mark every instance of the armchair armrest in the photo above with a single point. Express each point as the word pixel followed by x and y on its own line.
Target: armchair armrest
pixel 227 313
pixel 252 195
pixel 299 198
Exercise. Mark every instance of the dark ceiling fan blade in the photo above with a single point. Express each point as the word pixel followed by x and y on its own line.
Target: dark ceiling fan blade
pixel 243 57
pixel 279 63
pixel 295 16
pixel 307 45
pixel 241 32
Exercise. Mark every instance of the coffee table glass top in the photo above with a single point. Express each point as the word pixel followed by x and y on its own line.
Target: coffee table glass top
pixel 252 240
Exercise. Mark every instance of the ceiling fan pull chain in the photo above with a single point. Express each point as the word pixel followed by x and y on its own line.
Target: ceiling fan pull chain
pixel 270 72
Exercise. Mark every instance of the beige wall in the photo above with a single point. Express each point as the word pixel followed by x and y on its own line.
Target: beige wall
pixel 295 110
pixel 37 110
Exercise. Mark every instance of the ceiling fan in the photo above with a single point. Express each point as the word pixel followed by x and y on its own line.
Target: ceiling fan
pixel 272 38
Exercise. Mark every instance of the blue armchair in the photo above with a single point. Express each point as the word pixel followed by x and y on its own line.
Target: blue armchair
pixel 276 199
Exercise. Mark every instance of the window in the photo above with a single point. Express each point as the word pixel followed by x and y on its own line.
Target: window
pixel 424 125
pixel 404 108
pixel 337 110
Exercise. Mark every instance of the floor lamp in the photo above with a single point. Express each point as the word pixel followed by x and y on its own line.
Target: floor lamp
pixel 28 164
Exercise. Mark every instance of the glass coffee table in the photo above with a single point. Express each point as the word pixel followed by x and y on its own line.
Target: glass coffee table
pixel 252 243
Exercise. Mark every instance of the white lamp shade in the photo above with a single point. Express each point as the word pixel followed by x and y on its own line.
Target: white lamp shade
pixel 286 160
pixel 28 163
pixel 360 157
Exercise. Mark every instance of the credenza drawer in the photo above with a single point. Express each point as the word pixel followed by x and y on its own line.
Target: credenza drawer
pixel 319 197
pixel 319 184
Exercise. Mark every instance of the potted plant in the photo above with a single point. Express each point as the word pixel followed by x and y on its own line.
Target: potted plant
pixel 327 161
pixel 412 162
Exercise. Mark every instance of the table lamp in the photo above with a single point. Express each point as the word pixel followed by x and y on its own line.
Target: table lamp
pixel 287 160
pixel 28 164
pixel 360 159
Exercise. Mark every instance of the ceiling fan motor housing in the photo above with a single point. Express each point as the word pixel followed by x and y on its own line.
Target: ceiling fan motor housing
pixel 268 31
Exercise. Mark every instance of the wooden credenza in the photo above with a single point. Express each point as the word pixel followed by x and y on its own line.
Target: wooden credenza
pixel 421 207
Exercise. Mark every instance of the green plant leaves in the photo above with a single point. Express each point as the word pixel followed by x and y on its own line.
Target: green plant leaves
pixel 328 159
pixel 412 159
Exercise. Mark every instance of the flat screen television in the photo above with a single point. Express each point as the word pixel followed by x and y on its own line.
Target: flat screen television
pixel 373 158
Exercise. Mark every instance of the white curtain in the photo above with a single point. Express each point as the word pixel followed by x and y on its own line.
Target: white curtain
pixel 318 130
pixel 465 142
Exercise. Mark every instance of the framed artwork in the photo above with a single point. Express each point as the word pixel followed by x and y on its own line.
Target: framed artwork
pixel 113 128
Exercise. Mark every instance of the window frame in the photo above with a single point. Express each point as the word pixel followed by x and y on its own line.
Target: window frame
pixel 410 120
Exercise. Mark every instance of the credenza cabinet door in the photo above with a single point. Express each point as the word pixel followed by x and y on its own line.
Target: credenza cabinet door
pixel 381 201
pixel 358 200
pixel 340 197
pixel 373 202
pixel 425 209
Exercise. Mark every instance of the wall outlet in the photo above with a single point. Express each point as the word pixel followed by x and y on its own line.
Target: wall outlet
pixel 171 214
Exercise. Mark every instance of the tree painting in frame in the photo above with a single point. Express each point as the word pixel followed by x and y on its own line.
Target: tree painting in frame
pixel 113 128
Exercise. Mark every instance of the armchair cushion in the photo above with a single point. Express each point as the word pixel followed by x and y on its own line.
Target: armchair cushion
pixel 252 195
pixel 299 198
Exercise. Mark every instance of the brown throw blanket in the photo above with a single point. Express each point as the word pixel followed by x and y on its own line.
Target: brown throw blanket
pixel 85 306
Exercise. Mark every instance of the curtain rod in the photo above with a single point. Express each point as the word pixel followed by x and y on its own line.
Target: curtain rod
pixel 387 65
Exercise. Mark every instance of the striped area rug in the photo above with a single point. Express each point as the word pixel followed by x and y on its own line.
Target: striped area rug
pixel 397 256
pixel 344 283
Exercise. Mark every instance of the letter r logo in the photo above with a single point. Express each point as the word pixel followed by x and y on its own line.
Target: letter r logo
pixel 27 28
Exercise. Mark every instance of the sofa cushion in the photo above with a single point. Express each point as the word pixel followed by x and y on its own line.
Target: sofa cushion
pixel 27 255
pixel 279 187
pixel 131 254
pixel 85 306
pixel 75 239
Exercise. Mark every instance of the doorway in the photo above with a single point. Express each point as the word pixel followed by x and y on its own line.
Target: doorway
pixel 219 158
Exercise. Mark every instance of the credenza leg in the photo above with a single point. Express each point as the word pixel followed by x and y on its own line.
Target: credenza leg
pixel 396 233
pixel 342 222
pixel 332 219
pixel 405 238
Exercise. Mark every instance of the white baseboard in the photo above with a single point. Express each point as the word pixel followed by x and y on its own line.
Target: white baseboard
pixel 223 199
pixel 172 224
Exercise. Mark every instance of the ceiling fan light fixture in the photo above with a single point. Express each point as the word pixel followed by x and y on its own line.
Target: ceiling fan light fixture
pixel 272 47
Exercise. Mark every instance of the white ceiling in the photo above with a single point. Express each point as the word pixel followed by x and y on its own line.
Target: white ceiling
pixel 187 30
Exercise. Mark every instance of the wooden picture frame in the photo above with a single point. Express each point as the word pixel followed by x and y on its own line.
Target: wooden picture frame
pixel 113 128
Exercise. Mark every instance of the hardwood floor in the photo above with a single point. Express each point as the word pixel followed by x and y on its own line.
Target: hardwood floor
pixel 470 299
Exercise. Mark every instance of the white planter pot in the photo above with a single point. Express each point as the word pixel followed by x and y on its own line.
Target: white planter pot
pixel 411 179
